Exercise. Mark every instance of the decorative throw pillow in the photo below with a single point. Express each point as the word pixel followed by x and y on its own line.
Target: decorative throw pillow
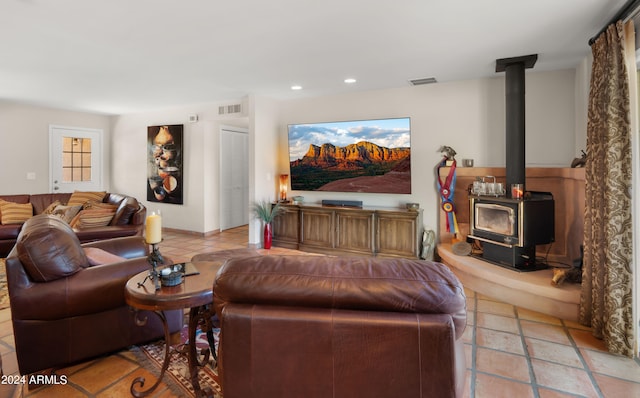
pixel 66 213
pixel 92 218
pixel 98 256
pixel 15 213
pixel 82 197
pixel 51 207
pixel 92 204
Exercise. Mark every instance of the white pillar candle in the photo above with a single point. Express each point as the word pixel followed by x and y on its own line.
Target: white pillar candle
pixel 153 229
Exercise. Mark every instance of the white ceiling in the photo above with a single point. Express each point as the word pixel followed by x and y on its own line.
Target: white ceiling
pixel 124 56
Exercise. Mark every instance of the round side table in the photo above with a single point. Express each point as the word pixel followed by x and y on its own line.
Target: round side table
pixel 195 293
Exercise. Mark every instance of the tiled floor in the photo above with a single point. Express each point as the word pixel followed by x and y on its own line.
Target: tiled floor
pixel 510 351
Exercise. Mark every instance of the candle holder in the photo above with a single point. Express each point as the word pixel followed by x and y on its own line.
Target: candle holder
pixel 154 258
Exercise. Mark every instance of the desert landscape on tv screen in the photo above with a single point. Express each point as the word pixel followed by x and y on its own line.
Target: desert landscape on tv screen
pixel 372 156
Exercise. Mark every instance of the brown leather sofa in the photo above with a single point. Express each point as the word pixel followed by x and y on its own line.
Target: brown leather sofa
pixel 65 310
pixel 128 220
pixel 315 326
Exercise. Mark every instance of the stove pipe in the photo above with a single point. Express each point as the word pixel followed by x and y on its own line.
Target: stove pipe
pixel 515 116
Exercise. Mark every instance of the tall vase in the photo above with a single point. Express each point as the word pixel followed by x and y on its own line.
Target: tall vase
pixel 268 236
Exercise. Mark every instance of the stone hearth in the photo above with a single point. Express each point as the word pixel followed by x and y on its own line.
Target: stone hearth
pixel 531 290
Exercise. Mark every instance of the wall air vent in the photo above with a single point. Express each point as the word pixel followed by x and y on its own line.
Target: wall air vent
pixel 228 109
pixel 424 80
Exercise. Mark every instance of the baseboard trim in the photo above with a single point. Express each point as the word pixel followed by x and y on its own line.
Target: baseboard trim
pixel 194 233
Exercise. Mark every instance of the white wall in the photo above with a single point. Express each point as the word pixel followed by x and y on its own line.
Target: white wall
pixel 24 144
pixel 582 83
pixel 264 155
pixel 200 211
pixel 467 115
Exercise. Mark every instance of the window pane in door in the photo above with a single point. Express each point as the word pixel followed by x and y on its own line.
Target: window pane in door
pixel 76 159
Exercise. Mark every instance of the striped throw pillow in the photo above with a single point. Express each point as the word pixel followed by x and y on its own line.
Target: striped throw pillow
pixel 93 205
pixel 15 213
pixel 79 198
pixel 92 218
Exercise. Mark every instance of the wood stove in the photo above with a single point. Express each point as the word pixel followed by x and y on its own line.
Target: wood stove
pixel 510 229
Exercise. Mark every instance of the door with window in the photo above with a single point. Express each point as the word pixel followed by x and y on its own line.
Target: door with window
pixel 75 159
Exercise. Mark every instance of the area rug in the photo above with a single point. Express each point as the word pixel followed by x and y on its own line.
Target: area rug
pixel 177 374
pixel 4 293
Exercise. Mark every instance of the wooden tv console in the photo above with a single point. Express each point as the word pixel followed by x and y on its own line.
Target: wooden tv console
pixel 387 232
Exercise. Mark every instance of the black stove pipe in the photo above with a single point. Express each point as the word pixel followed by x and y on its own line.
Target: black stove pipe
pixel 515 117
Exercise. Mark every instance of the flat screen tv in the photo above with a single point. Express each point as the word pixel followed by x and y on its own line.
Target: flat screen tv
pixel 372 156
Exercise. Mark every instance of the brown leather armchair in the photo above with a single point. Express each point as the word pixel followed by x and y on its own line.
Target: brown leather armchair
pixel 315 326
pixel 65 310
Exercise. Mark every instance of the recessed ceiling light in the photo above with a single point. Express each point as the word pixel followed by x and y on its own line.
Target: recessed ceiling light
pixel 350 80
pixel 296 87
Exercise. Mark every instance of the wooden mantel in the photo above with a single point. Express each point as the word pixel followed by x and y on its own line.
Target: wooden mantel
pixel 530 290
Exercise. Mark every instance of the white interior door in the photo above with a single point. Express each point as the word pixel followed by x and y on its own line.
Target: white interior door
pixel 75 159
pixel 234 178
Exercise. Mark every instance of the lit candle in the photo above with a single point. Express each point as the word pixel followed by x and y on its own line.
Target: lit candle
pixel 153 229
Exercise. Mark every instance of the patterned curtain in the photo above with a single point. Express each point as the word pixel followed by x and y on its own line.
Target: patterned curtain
pixel 607 300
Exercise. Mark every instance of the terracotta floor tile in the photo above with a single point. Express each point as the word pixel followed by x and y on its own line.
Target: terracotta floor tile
pixel 495 307
pixel 488 386
pixel 575 325
pixel 498 340
pixel 4 348
pixel 11 390
pixel 57 391
pixel 471 304
pixel 6 328
pixel 553 352
pixel 10 363
pixel 122 387
pixel 468 355
pixel 563 378
pixel 467 336
pixel 612 387
pixel 524 313
pixel 467 384
pixel 502 364
pixel 586 339
pixel 612 365
pixel 103 373
pixel 545 331
pixel 497 322
pixel 471 318
pixel 9 341
pixel 488 298
pixel 547 393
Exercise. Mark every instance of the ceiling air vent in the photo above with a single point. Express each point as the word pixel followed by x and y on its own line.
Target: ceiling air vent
pixel 424 80
pixel 228 109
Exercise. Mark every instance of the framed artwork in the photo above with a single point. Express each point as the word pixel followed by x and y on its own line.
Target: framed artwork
pixel 165 175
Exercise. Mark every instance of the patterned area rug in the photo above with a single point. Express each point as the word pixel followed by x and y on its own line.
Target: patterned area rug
pixel 177 374
pixel 4 293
